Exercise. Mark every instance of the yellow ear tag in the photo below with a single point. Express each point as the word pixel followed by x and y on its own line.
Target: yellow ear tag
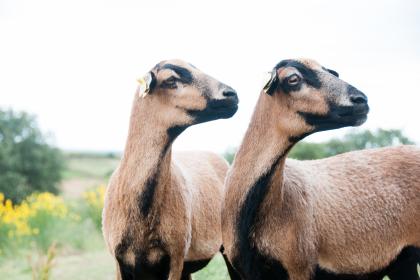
pixel 269 77
pixel 144 85
pixel 266 78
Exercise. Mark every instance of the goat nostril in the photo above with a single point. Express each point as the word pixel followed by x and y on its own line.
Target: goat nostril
pixel 229 93
pixel 358 99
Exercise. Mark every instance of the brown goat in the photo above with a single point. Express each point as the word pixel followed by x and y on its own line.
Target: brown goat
pixel 162 214
pixel 349 214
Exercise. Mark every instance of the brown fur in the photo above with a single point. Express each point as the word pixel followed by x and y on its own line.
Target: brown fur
pixel 183 223
pixel 352 213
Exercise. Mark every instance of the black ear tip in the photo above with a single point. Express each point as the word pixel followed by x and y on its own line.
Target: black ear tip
pixel 335 73
pixel 270 91
pixel 153 82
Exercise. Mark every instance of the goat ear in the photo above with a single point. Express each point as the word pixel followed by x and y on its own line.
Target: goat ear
pixel 335 73
pixel 271 84
pixel 146 84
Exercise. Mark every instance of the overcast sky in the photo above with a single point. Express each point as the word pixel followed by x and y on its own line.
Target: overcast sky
pixel 74 63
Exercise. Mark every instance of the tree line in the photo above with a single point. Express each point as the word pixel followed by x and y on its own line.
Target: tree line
pixel 355 140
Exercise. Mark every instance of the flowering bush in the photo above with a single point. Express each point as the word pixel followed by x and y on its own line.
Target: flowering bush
pixel 44 218
pixel 30 220
pixel 94 204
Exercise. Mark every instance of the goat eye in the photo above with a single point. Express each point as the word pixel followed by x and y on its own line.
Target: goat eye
pixel 169 83
pixel 293 80
pixel 171 80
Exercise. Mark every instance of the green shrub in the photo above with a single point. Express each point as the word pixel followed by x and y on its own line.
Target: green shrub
pixel 27 162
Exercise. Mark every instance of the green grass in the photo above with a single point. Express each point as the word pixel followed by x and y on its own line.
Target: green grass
pixel 98 265
pixel 93 166
pixel 94 265
pixel 84 266
pixel 216 270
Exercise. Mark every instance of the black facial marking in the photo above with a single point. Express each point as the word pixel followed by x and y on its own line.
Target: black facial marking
pixel 184 74
pixel 147 196
pixel 249 261
pixel 321 122
pixel 310 76
pixel 336 117
pixel 215 109
pixel 169 83
pixel 335 73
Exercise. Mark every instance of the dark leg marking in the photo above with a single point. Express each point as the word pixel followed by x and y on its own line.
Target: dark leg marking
pixel 126 272
pixel 144 270
pixel 194 266
pixel 233 274
pixel 404 267
pixel 186 276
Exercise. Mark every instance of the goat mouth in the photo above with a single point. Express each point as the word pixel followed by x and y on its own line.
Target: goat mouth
pixel 227 103
pixel 352 111
pixel 337 117
pixel 353 115
pixel 216 109
pixel 225 108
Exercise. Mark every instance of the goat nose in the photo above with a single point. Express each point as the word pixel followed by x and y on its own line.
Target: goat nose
pixel 229 92
pixel 359 98
pixel 356 96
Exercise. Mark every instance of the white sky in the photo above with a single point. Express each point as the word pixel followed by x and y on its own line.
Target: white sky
pixel 74 63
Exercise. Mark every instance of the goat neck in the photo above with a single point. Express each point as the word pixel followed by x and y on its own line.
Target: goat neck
pixel 146 161
pixel 263 150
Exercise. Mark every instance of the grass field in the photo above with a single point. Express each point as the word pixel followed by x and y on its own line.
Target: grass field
pixel 94 265
pixel 88 166
pixel 84 171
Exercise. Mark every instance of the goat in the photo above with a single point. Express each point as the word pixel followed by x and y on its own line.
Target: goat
pixel 162 214
pixel 349 214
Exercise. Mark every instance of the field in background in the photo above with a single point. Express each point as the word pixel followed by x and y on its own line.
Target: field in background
pixel 84 172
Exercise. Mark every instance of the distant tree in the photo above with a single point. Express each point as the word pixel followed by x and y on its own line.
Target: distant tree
pixel 308 150
pixel 352 141
pixel 365 139
pixel 27 162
